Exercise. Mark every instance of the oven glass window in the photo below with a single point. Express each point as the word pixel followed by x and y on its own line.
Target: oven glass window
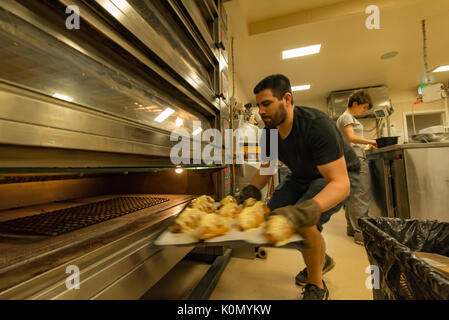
pixel 37 61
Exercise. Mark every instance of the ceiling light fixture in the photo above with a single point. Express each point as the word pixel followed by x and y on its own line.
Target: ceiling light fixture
pixel 164 115
pixel 299 52
pixel 301 88
pixel 441 69
pixel 179 122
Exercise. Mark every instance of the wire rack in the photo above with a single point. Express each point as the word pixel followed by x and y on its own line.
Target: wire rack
pixel 65 220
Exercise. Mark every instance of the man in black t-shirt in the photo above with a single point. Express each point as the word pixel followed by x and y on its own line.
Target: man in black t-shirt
pixel 324 172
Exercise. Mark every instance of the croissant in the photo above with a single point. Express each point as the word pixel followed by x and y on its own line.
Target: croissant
pixel 204 203
pixel 230 210
pixel 278 230
pixel 188 220
pixel 226 200
pixel 212 225
pixel 249 202
pixel 252 217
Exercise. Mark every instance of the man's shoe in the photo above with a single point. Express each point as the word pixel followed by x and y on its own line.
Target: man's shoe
pixel 301 278
pixel 358 238
pixel 350 231
pixel 312 292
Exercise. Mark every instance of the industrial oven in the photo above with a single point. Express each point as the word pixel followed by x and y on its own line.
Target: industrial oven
pixel 90 92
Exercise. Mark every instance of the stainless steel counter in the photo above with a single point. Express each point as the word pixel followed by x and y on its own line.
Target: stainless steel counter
pixel 411 181
pixel 408 146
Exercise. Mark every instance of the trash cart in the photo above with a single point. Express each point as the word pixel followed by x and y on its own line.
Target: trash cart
pixel 390 244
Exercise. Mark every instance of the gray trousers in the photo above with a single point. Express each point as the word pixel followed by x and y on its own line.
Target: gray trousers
pixel 358 204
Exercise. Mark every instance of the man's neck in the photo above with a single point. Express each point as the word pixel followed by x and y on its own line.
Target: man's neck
pixel 285 128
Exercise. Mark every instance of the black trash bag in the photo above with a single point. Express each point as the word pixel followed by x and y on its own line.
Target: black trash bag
pixel 390 243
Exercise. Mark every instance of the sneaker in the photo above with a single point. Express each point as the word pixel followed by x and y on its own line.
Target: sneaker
pixel 350 230
pixel 358 238
pixel 301 278
pixel 312 292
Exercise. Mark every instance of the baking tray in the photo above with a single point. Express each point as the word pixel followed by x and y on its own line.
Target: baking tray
pixel 234 237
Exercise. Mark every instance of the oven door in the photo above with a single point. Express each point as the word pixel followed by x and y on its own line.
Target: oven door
pixel 118 85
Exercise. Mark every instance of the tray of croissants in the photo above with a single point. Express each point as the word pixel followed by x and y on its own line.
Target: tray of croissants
pixel 206 222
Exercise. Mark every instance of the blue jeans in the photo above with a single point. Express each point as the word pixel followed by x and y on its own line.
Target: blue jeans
pixel 290 192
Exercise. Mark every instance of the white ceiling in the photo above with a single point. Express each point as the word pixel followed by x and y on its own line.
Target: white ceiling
pixel 256 10
pixel 350 53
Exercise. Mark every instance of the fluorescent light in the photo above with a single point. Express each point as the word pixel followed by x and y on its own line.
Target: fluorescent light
pixel 179 122
pixel 441 69
pixel 197 131
pixel 164 115
pixel 300 88
pixel 299 52
pixel 63 97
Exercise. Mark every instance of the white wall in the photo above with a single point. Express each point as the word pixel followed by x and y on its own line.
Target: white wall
pixel 319 103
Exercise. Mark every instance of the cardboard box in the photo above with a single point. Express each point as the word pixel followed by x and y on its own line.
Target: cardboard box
pixel 437 261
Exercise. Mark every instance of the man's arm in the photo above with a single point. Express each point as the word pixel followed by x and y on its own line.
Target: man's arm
pixel 258 180
pixel 338 186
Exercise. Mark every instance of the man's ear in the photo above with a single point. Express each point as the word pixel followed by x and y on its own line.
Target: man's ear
pixel 288 98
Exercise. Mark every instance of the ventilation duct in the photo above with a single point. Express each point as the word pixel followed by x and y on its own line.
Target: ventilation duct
pixel 337 101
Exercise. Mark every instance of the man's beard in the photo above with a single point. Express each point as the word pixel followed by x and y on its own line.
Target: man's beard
pixel 277 119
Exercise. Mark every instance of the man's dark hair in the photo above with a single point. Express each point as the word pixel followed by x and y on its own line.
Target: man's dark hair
pixel 361 97
pixel 278 83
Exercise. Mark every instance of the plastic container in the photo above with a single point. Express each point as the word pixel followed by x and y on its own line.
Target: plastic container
pixel 386 141
pixel 390 244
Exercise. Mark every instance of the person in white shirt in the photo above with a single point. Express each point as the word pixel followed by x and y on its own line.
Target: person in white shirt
pixel 352 130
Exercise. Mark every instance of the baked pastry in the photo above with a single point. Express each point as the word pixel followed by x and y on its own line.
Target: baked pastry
pixel 212 225
pixel 226 200
pixel 204 203
pixel 278 230
pixel 188 220
pixel 230 210
pixel 259 205
pixel 253 216
pixel 249 202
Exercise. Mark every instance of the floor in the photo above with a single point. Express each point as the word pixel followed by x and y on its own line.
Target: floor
pixel 273 278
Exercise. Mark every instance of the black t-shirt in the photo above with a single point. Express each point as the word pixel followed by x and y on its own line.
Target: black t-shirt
pixel 313 141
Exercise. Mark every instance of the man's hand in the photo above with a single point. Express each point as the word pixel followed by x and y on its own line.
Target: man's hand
pixel 305 214
pixel 249 191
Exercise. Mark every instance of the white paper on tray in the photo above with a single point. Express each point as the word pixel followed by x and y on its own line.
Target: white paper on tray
pixel 254 236
pixel 257 236
pixel 168 238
